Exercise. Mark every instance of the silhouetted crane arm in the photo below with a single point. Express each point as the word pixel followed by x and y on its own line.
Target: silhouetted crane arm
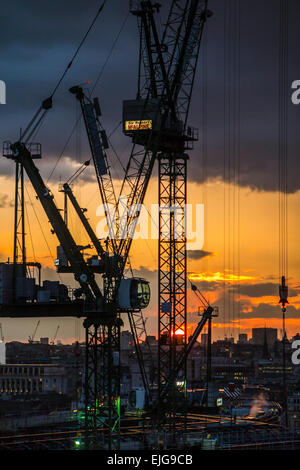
pixel 208 312
pixel 185 353
pixel 98 144
pixel 206 315
pixel 68 191
pixel 54 338
pixel 31 339
pixel 82 273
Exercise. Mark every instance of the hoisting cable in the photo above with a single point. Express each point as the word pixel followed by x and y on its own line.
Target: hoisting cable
pixel 235 156
pixel 282 187
pixel 238 156
pixel 231 163
pixel 93 88
pixel 41 228
pixel 225 158
pixel 110 52
pixel 79 171
pixel 199 294
pixel 47 103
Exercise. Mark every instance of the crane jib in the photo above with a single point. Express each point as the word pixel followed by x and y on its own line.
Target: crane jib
pixel 95 141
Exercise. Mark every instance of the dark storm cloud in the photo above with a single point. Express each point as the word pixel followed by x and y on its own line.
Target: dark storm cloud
pixel 206 285
pixel 259 54
pixel 149 274
pixel 243 309
pixel 67 168
pixel 261 290
pixel 269 311
pixel 48 22
pixel 199 254
pixel 37 41
pixel 39 38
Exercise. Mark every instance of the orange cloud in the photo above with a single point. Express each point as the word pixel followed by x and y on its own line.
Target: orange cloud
pixel 220 277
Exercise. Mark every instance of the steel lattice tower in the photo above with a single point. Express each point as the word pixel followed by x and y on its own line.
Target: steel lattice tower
pixel 172 320
pixel 102 386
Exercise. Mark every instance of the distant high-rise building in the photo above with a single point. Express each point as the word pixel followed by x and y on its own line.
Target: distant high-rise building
pixel 2 353
pixel 44 340
pixel 151 339
pixel 243 338
pixel 126 340
pixel 259 334
pixel 204 337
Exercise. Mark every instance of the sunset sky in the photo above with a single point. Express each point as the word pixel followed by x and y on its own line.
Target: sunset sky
pixel 237 268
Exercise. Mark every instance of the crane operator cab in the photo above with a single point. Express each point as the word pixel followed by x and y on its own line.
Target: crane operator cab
pixel 134 294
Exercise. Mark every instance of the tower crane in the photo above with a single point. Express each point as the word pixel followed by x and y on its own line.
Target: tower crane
pixel 55 335
pixel 31 338
pixel 157 121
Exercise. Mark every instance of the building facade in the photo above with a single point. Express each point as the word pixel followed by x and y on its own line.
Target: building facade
pixel 32 379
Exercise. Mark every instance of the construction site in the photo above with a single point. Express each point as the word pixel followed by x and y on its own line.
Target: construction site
pixel 165 362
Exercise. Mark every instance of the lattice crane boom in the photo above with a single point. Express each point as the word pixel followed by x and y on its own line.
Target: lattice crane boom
pixel 98 146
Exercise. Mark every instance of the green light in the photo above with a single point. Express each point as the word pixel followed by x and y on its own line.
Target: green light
pixel 77 443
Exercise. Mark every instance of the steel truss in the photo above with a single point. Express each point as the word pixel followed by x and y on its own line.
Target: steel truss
pixel 102 386
pixel 172 322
